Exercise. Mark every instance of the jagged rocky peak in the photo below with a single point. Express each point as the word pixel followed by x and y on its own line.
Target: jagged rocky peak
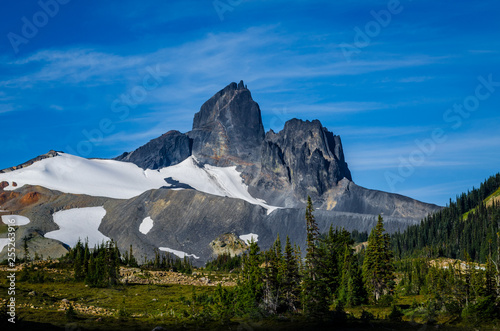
pixel 304 155
pixel 169 149
pixel 228 128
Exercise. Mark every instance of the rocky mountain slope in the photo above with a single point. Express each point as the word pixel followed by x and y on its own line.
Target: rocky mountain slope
pixel 224 176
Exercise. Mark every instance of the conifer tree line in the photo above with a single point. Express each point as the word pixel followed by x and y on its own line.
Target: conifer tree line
pixel 224 262
pixel 330 277
pixel 454 234
pixel 169 262
pixel 467 230
pixel 99 267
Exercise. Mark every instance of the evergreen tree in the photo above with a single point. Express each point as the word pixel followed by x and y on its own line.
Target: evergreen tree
pixel 112 257
pixel 132 262
pixel 314 287
pixel 78 263
pixel 90 278
pixel 250 287
pixel 272 296
pixel 86 257
pixel 378 268
pixel 291 278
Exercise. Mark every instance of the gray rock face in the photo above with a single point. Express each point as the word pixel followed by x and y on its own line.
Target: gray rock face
pixel 171 148
pixel 228 128
pixel 186 220
pixel 354 198
pixel 282 168
pixel 304 159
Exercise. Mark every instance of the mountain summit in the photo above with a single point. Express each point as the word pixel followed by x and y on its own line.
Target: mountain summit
pixel 181 191
pixel 285 167
pixel 280 168
pixel 228 128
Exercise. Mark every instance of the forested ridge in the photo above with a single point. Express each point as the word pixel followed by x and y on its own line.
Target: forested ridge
pixel 466 228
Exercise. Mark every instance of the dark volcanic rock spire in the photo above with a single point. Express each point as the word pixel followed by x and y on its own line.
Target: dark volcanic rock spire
pixel 169 149
pixel 228 128
pixel 303 159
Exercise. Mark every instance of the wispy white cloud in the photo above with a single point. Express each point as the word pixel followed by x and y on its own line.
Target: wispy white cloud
pixel 257 54
pixel 6 108
pixel 334 107
pixel 417 79
pixel 452 153
pixel 56 107
pixel 83 67
pixel 381 132
pixel 427 192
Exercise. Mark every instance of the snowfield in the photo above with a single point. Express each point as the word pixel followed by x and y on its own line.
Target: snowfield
pixel 18 220
pixel 123 180
pixel 79 223
pixel 3 242
pixel 177 253
pixel 146 225
pixel 248 237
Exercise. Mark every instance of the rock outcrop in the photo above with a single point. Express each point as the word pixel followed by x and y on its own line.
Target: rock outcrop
pixel 303 159
pixel 281 168
pixel 228 128
pixel 171 148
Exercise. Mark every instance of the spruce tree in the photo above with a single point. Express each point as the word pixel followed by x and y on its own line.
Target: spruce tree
pixel 90 278
pixel 291 278
pixel 314 287
pixel 250 286
pixel 132 262
pixel 78 264
pixel 378 268
pixel 273 278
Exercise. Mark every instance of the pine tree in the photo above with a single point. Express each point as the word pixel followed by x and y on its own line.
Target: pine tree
pixel 86 257
pixel 314 287
pixel 250 287
pixel 489 275
pixel 291 278
pixel 356 293
pixel 132 262
pixel 90 278
pixel 112 257
pixel 78 263
pixel 273 277
pixel 378 268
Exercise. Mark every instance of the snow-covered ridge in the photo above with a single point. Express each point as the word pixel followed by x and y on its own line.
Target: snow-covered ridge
pixel 123 180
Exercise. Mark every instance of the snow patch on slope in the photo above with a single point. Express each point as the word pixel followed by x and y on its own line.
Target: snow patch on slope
pixel 248 237
pixel 79 223
pixel 214 180
pixel 3 242
pixel 180 254
pixel 123 180
pixel 146 225
pixel 18 220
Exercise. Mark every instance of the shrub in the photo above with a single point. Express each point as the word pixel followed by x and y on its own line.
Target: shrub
pixel 366 316
pixel 396 315
pixel 482 311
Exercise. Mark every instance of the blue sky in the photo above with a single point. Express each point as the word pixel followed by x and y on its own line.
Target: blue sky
pixel 411 86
